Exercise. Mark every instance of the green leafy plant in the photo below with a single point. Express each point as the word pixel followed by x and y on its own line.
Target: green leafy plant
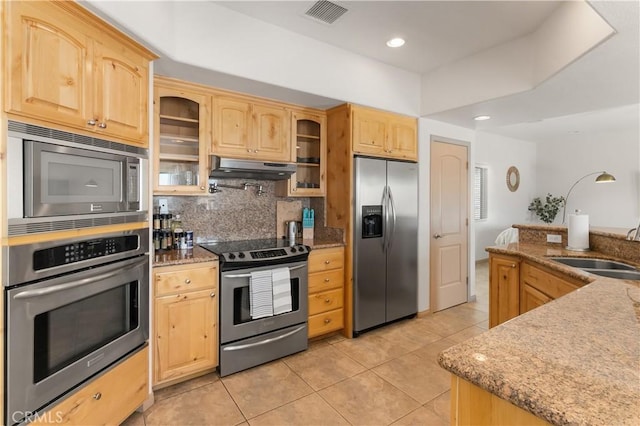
pixel 547 212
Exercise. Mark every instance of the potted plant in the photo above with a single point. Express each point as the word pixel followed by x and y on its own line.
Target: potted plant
pixel 547 212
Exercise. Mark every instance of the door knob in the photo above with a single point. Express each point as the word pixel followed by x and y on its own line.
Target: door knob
pixel 436 236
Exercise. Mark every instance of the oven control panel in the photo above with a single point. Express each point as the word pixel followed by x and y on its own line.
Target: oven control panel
pixel 83 250
pixel 267 254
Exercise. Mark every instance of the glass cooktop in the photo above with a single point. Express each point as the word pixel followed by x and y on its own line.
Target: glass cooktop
pixel 249 253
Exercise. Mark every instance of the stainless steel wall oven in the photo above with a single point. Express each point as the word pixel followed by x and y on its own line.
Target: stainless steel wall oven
pixel 73 308
pixel 246 340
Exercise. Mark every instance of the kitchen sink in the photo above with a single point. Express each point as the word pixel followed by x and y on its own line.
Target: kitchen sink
pixel 590 263
pixel 616 273
pixel 605 268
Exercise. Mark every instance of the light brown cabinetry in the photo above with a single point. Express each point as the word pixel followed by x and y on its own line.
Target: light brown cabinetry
pixel 326 290
pixel 185 321
pixel 109 399
pixel 251 130
pixel 182 138
pixel 66 67
pixel 539 285
pixel 384 134
pixel 353 130
pixel 517 286
pixel 504 288
pixel 309 147
pixel 472 405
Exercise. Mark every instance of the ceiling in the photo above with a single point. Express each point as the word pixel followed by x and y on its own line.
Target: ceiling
pixel 438 33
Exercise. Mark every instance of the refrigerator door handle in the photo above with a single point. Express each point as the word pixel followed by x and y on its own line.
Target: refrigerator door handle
pixel 385 212
pixel 392 204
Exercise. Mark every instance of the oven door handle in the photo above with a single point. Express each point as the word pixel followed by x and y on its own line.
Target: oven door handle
pixel 291 268
pixel 78 283
pixel 264 342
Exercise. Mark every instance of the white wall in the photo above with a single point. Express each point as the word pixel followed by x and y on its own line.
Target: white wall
pixel 562 161
pixel 216 38
pixel 428 129
pixel 505 208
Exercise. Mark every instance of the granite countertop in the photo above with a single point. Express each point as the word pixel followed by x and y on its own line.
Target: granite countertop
pixel 182 257
pixel 199 254
pixel 575 360
pixel 540 253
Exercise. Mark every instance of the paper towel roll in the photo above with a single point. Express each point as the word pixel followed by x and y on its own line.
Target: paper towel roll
pixel 578 232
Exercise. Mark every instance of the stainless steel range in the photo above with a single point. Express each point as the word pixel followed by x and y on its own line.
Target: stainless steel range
pixel 263 301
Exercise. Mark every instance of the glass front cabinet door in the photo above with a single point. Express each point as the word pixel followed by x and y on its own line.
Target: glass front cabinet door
pixel 181 154
pixel 309 143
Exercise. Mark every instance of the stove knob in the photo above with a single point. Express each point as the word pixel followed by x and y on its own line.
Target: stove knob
pixel 241 255
pixel 293 250
pixel 231 256
pixel 301 249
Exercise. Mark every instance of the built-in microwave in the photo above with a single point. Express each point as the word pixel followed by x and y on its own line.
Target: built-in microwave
pixel 57 176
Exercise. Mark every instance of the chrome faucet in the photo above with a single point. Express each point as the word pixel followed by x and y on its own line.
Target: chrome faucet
pixel 631 231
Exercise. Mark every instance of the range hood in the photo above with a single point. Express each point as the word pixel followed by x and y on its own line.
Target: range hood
pixel 222 167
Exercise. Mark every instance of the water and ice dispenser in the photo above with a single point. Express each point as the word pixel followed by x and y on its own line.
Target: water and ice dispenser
pixel 371 221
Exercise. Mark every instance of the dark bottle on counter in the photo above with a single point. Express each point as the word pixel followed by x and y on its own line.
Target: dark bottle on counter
pixel 156 240
pixel 156 221
pixel 163 240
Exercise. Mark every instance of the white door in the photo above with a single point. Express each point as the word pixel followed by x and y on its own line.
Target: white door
pixel 449 225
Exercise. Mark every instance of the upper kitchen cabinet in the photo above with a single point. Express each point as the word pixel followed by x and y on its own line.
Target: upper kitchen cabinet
pixel 66 67
pixel 309 147
pixel 182 138
pixel 383 134
pixel 246 129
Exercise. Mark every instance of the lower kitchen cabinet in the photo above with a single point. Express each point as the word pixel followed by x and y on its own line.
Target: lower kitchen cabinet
pixel 517 286
pixel 109 399
pixel 326 290
pixel 185 318
pixel 504 288
pixel 539 285
pixel 472 405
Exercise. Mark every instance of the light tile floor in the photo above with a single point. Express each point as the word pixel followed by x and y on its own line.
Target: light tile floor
pixel 388 376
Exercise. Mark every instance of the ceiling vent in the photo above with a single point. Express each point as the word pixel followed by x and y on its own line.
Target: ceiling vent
pixel 326 11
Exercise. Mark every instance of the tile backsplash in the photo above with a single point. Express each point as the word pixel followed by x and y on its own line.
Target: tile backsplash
pixel 231 214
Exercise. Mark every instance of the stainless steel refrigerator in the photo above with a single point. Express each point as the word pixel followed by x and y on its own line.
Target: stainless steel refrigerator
pixel 385 258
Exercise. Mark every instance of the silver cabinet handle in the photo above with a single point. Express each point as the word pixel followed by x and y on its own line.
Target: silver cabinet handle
pixel 102 125
pixel 187 281
pixel 436 236
pixel 213 294
pixel 97 396
pixel 91 122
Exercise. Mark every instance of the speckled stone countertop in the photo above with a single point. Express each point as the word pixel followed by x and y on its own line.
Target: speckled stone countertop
pixel 182 257
pixel 540 253
pixel 198 254
pixel 575 360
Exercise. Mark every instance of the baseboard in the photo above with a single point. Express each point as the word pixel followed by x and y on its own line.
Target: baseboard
pixel 471 299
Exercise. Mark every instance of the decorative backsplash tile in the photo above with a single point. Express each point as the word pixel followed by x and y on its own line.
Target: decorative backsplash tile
pixel 231 214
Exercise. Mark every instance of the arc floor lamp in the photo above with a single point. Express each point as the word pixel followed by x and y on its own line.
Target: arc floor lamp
pixel 603 177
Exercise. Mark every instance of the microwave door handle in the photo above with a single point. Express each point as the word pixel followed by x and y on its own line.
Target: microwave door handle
pixel 291 268
pixel 78 283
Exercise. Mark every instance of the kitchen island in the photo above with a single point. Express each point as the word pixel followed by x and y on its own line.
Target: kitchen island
pixel 575 360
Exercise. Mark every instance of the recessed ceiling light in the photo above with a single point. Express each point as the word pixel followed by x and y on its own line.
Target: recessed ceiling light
pixel 395 42
pixel 482 117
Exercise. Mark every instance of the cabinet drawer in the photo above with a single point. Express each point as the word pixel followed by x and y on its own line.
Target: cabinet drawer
pixel 545 281
pixel 326 259
pixel 321 281
pixel 325 301
pixel 177 279
pixel 326 322
pixel 109 399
